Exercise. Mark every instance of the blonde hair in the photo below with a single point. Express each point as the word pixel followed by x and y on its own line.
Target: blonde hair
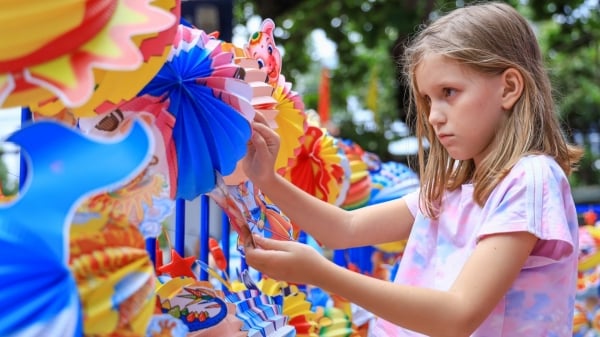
pixel 489 38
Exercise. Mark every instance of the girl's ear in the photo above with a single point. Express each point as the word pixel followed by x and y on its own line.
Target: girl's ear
pixel 513 87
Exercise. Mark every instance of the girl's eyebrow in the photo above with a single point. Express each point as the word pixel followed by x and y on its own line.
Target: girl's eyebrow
pixel 438 86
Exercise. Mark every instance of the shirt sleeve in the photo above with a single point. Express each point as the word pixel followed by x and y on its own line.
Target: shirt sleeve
pixel 534 197
pixel 412 201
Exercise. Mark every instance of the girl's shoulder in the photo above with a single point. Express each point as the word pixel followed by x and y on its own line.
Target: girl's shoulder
pixel 533 176
pixel 539 165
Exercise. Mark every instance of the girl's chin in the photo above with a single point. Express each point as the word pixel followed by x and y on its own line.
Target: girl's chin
pixel 459 156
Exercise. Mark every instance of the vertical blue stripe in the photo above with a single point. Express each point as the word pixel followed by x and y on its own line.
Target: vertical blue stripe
pixel 26 117
pixel 204 233
pixel 225 233
pixel 180 226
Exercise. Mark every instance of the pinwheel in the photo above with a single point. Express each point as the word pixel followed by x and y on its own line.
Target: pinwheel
pixel 200 86
pixel 319 168
pixel 52 51
pixel 39 290
pixel 261 314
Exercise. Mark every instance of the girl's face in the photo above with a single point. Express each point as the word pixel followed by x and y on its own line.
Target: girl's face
pixel 464 106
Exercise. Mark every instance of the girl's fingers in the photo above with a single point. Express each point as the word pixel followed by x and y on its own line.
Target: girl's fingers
pixel 270 244
pixel 262 134
pixel 262 129
pixel 247 237
pixel 260 118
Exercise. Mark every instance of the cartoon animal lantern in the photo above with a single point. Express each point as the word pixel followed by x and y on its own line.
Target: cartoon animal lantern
pixel 261 47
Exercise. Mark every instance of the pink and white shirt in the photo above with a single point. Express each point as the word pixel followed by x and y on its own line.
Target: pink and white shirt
pixel 534 197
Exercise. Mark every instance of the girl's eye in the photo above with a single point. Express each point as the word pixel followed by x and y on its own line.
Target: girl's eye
pixel 449 92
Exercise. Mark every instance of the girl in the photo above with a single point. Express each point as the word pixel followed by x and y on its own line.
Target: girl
pixel 492 233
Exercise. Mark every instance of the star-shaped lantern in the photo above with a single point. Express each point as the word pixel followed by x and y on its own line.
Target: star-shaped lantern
pixel 178 266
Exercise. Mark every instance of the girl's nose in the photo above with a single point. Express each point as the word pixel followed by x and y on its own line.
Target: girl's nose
pixel 436 116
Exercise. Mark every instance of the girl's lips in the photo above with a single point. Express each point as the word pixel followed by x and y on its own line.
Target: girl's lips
pixel 444 137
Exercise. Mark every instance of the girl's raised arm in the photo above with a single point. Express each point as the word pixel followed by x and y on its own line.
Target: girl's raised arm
pixel 333 226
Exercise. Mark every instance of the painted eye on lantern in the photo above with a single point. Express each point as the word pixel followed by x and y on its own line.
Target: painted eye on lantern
pixel 255 37
pixel 261 63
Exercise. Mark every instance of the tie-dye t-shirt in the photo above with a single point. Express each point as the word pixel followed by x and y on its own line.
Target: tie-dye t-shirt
pixel 534 197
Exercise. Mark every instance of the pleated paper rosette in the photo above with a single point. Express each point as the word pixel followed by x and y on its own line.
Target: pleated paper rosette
pixel 359 191
pixel 319 166
pixel 201 88
pixel 290 124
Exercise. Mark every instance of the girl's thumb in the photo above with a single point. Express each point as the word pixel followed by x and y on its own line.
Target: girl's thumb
pixel 269 244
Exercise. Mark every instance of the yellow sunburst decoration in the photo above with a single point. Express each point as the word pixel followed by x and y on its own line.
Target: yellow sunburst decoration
pixel 52 49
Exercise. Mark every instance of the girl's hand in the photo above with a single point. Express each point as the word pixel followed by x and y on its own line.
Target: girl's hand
pixel 259 162
pixel 285 260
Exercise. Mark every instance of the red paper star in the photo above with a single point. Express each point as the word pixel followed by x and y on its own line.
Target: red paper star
pixel 178 266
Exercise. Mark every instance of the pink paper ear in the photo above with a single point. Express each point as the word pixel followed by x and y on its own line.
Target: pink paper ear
pixel 267 26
